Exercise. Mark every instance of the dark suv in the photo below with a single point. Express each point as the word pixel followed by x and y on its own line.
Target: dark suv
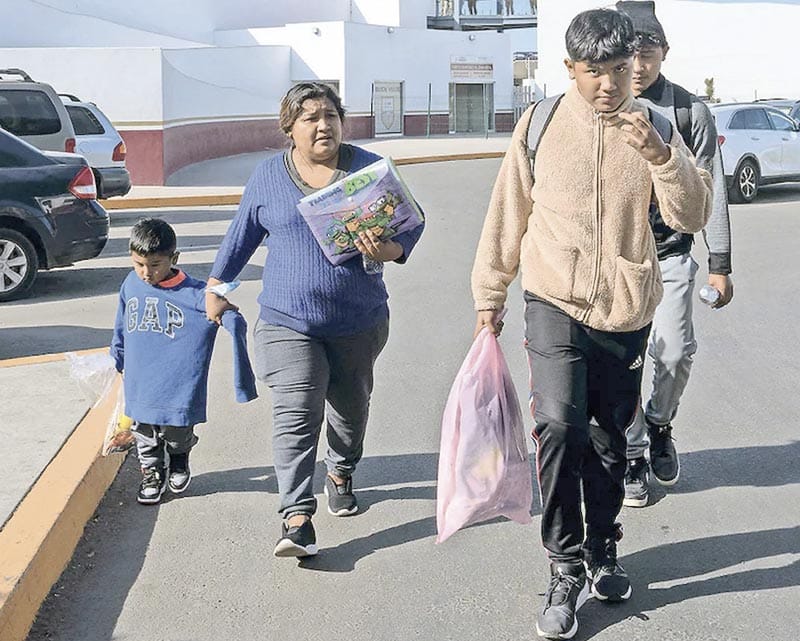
pixel 48 213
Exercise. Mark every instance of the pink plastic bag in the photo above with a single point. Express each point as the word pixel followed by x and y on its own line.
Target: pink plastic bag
pixel 484 468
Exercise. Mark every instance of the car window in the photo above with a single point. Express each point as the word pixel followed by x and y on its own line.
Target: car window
pixel 737 121
pixel 781 122
pixel 84 121
pixel 16 153
pixel 750 119
pixel 28 113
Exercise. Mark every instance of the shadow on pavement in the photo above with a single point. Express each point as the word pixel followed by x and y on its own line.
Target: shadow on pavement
pixel 80 282
pixel 684 563
pixel 758 466
pixel 117 247
pixel 107 562
pixel 785 193
pixel 128 217
pixel 16 342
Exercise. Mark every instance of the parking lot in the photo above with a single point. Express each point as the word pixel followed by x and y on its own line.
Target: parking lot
pixel 715 558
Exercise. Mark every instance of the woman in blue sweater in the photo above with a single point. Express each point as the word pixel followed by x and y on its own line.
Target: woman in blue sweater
pixel 320 327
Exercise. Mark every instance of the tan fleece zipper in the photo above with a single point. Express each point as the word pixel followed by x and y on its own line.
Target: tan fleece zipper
pixel 598 243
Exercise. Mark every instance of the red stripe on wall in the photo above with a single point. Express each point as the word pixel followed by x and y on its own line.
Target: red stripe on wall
pixel 145 158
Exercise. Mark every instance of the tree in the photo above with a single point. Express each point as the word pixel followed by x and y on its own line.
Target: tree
pixel 709 89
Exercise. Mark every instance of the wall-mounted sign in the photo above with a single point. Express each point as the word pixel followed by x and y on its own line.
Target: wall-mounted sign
pixel 471 68
pixel 388 107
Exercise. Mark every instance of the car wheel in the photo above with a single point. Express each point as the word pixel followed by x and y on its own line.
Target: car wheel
pixel 18 264
pixel 745 183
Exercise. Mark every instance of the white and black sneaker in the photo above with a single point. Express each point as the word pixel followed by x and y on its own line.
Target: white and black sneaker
pixel 637 482
pixel 567 592
pixel 179 473
pixel 341 500
pixel 608 578
pixel 297 540
pixel 153 485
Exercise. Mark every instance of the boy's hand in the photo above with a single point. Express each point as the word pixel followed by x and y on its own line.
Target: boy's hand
pixel 642 136
pixel 216 306
pixel 488 318
pixel 724 285
pixel 373 247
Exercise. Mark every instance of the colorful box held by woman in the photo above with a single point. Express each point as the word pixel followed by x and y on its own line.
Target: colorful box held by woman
pixel 375 198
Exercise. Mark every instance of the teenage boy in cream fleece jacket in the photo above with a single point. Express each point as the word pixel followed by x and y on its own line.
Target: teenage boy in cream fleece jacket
pixel 578 230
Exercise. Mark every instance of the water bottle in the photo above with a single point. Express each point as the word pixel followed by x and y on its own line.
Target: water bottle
pixel 709 295
pixel 371 266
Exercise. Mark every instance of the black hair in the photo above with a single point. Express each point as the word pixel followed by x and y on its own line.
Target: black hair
pixel 599 35
pixel 153 236
pixel 649 31
pixel 292 102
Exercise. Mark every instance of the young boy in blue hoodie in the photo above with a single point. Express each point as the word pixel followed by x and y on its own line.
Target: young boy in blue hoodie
pixel 163 343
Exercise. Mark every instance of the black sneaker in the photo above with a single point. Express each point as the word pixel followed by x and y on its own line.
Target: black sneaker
pixel 154 482
pixel 637 475
pixel 663 456
pixel 298 540
pixel 179 472
pixel 567 592
pixel 608 577
pixel 341 500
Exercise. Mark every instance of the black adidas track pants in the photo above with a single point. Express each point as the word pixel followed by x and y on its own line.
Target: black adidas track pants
pixel 579 373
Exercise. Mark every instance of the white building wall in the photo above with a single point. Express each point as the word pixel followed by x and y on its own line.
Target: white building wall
pixel 179 23
pixel 747 47
pixel 375 54
pixel 203 85
pixel 135 101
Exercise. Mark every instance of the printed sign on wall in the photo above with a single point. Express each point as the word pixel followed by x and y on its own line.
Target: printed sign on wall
pixel 388 107
pixel 471 69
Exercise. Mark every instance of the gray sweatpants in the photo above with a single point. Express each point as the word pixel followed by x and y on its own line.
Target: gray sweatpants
pixel 671 347
pixel 311 378
pixel 153 441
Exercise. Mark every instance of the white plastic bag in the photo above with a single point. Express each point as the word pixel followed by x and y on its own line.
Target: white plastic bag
pixel 95 375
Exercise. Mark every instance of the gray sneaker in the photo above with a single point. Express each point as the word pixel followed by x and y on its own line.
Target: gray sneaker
pixel 567 592
pixel 637 477
pixel 664 459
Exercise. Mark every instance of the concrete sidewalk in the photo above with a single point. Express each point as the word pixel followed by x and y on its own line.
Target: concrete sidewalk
pixel 55 474
pixel 220 181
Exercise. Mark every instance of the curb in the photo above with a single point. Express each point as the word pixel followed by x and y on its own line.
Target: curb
pixel 38 540
pixel 210 200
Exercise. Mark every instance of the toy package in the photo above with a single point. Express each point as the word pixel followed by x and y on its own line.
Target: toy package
pixel 374 198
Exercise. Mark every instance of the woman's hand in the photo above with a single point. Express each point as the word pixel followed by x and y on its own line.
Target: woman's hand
pixel 373 247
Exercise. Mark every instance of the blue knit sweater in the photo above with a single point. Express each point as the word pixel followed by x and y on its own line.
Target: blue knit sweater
pixel 301 289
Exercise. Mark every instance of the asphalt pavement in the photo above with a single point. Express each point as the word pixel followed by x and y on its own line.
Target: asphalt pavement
pixel 715 558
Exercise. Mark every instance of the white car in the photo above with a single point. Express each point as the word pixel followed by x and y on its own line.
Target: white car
pixel 760 146
pixel 101 145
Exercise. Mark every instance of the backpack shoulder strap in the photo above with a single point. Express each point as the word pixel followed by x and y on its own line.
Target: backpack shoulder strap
pixel 661 124
pixel 683 113
pixel 542 114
